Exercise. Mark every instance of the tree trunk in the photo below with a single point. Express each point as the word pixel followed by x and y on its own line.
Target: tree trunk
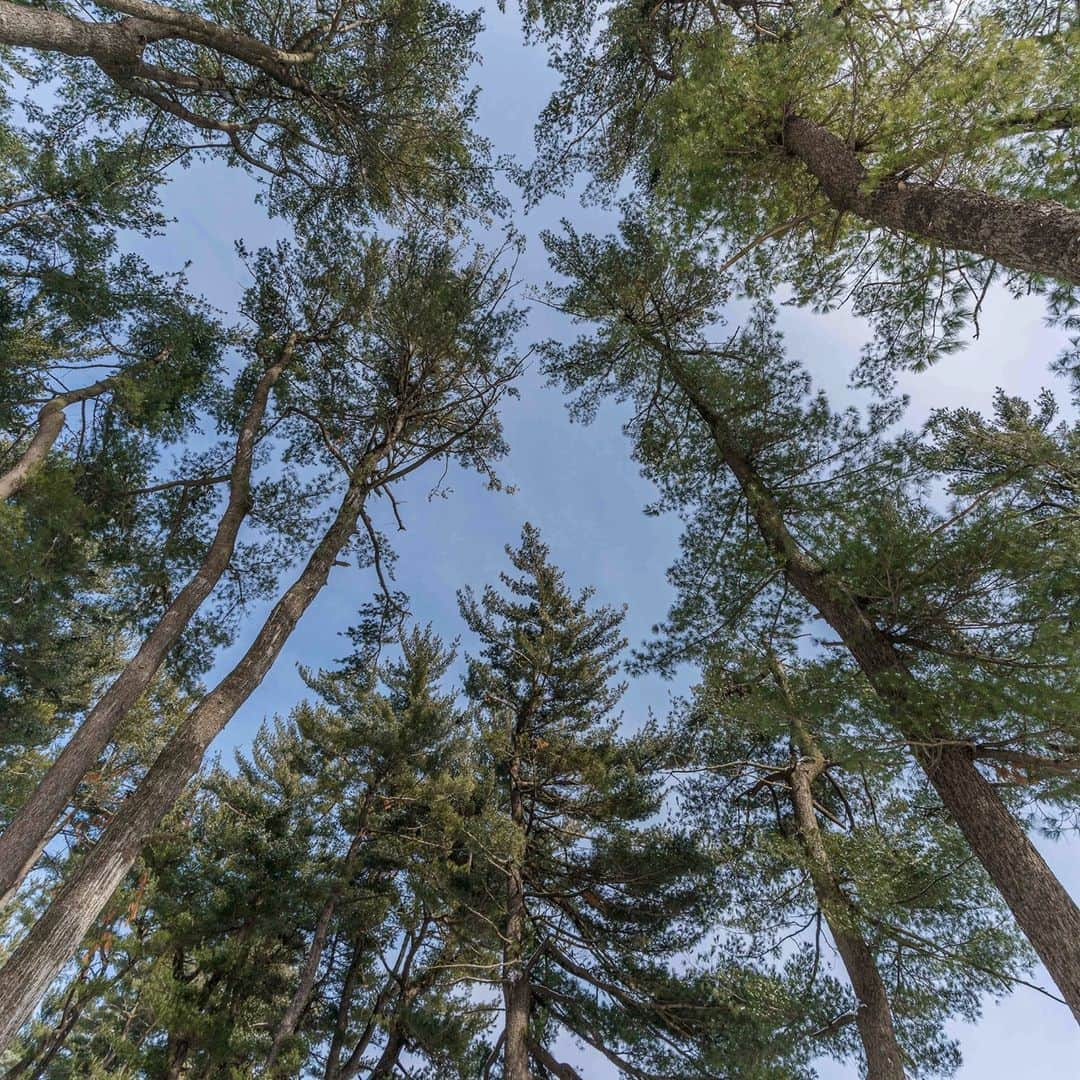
pixel 37 961
pixel 21 842
pixel 116 43
pixel 299 1000
pixel 515 987
pixel 1043 909
pixel 341 1024
pixel 873 1014
pixel 51 423
pixel 559 1069
pixel 1037 237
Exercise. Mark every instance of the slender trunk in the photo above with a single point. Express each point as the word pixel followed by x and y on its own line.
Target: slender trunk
pixel 516 996
pixel 1042 908
pixel 51 423
pixel 1041 237
pixel 395 1043
pixel 54 937
pixel 299 1000
pixel 24 838
pixel 300 997
pixel 873 1014
pixel 333 1055
pixel 32 858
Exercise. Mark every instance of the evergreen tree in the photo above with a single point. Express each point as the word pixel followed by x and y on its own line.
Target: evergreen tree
pixel 902 156
pixel 820 828
pixel 960 622
pixel 344 111
pixel 590 896
pixel 410 370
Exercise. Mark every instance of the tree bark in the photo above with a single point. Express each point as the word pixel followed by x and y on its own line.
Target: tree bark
pixel 41 956
pixel 109 43
pixel 873 1014
pixel 1040 237
pixel 515 978
pixel 21 842
pixel 1041 906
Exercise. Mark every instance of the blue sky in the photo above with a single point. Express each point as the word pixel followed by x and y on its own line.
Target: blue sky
pixel 580 488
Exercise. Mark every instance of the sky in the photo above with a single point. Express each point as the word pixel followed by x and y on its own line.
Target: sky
pixel 579 487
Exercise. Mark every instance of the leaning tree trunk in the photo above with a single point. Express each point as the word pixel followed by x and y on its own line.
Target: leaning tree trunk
pixel 22 841
pixel 1040 904
pixel 38 960
pixel 873 1013
pixel 1041 237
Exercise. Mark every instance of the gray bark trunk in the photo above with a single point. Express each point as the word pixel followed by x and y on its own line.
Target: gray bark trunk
pixel 1040 237
pixel 38 960
pixel 22 840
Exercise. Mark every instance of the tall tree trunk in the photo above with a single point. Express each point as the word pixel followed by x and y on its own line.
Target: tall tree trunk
pixel 54 937
pixel 298 1003
pixel 1038 237
pixel 515 978
pixel 873 1014
pixel 25 836
pixel 1042 908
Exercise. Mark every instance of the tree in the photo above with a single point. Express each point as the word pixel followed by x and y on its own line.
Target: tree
pixel 411 372
pixel 960 622
pixel 819 825
pixel 893 156
pixel 357 107
pixel 140 356
pixel 274 900
pixel 589 895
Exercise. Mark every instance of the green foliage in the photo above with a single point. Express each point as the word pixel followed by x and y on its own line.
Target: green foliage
pixel 692 98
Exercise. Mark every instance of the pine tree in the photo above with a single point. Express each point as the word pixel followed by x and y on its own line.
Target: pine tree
pixel 410 370
pixel 823 831
pixel 901 158
pixel 960 622
pixel 590 896
pixel 356 112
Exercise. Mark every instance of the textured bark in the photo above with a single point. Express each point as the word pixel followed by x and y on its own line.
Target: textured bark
pixel 55 936
pixel 24 837
pixel 116 46
pixel 300 997
pixel 1041 237
pixel 109 43
pixel 1040 904
pixel 873 1014
pixel 516 996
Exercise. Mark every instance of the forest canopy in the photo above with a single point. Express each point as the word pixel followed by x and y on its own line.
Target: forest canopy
pixel 603 604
